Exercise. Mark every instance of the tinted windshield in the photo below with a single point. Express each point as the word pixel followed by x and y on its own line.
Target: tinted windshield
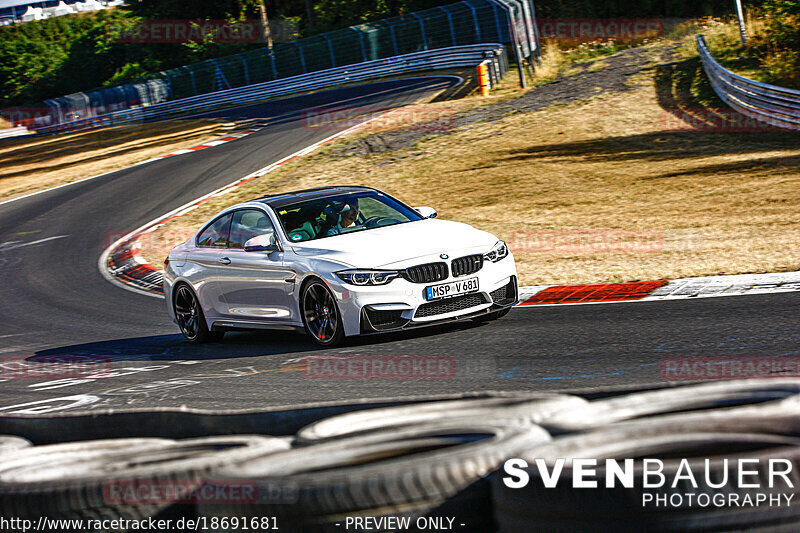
pixel 345 213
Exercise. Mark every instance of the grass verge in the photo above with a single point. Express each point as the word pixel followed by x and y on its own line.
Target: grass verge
pixel 37 163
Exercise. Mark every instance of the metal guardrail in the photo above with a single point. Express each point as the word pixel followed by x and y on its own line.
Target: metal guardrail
pixel 452 57
pixel 771 104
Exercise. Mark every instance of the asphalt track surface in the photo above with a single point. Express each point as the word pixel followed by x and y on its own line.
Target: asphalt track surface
pixel 55 304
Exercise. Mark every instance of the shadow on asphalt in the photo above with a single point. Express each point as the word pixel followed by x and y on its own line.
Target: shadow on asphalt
pixel 236 344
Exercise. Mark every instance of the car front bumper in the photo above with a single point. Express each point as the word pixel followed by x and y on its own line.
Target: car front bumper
pixel 401 304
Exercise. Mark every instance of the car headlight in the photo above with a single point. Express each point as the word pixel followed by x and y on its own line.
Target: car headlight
pixel 499 251
pixel 367 277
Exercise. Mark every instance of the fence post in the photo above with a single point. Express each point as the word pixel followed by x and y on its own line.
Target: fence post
pixel 219 76
pixel 474 20
pixel 450 22
pixel 361 40
pixel 394 39
pixel 512 31
pixel 497 21
pixel 740 14
pixel 246 72
pixel 422 29
pixel 330 49
pixel 302 56
pixel 272 60
pixel 194 83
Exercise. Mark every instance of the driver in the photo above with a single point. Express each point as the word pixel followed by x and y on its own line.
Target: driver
pixel 347 218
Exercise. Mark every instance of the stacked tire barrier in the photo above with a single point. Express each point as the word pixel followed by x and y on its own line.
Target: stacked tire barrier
pixel 422 459
pixel 777 106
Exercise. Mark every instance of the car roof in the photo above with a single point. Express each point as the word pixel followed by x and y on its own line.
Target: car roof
pixel 287 198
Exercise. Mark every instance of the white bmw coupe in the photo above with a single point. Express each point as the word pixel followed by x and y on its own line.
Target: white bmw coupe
pixel 335 261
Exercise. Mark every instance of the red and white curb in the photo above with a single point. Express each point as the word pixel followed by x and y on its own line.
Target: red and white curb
pixel 228 138
pixel 121 263
pixel 643 291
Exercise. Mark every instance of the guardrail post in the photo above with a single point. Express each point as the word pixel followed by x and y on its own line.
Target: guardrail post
pixel 740 15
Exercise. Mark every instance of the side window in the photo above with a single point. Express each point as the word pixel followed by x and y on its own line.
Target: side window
pixel 249 223
pixel 216 235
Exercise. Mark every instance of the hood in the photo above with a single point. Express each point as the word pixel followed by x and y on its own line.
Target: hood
pixel 399 245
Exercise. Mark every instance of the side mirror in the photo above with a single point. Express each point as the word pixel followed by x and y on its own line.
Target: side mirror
pixel 262 243
pixel 426 212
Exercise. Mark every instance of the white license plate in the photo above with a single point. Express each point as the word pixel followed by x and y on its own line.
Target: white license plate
pixel 454 288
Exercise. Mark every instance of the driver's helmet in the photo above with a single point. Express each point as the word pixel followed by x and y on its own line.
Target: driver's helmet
pixel 332 214
pixel 351 205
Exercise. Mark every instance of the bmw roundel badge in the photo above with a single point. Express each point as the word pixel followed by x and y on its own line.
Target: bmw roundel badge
pixel 444 256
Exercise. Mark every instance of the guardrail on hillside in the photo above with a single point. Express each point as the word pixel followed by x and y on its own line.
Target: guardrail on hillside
pixel 774 105
pixel 452 57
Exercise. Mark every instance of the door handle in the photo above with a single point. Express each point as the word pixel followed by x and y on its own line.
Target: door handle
pixel 224 260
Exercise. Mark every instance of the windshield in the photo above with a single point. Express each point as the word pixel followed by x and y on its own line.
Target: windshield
pixel 344 213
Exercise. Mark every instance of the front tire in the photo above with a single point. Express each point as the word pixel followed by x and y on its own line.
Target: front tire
pixel 190 317
pixel 321 316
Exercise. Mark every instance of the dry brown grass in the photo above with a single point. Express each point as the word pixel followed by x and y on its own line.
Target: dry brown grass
pixel 4 123
pixel 32 164
pixel 550 63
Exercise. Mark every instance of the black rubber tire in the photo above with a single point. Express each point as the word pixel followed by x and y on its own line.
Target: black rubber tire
pixel 200 334
pixel 75 480
pixel 185 423
pixel 524 409
pixel 690 398
pixel 421 471
pixel 10 443
pixel 329 310
pixel 564 508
